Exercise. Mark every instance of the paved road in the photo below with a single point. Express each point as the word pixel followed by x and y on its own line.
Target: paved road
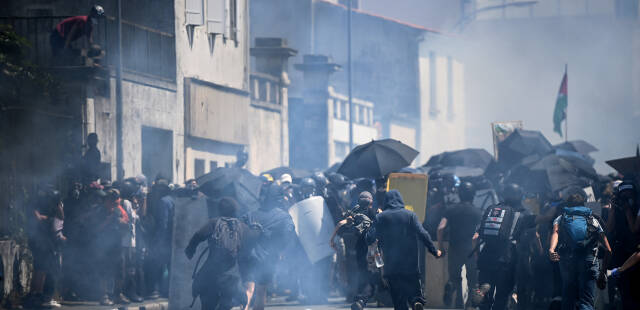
pixel 162 304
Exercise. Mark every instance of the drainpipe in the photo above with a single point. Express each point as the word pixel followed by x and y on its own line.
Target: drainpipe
pixel 119 135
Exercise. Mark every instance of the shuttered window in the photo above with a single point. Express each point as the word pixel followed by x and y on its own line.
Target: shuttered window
pixel 194 12
pixel 216 16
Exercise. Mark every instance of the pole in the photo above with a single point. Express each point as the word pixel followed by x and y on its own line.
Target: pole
pixel 566 111
pixel 119 134
pixel 349 75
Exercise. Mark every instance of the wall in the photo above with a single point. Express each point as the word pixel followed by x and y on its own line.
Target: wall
pixel 385 52
pixel 266 141
pixel 442 97
pixel 145 103
pixel 226 65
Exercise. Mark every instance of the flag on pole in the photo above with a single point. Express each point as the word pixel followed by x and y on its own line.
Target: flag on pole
pixel 560 112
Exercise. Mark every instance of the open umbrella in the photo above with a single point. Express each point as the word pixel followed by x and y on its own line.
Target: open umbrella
pixel 626 165
pixel 233 182
pixel 522 143
pixel 551 173
pixel 472 158
pixel 579 146
pixel 377 158
pixel 294 173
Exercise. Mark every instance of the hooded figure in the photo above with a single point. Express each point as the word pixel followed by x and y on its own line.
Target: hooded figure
pixel 398 231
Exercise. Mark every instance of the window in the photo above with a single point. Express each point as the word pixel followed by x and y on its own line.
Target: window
pixel 215 16
pixel 194 12
pixel 341 150
pixel 233 20
pixel 336 109
pixel 198 168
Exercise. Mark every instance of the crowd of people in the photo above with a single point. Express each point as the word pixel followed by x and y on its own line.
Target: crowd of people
pixel 111 242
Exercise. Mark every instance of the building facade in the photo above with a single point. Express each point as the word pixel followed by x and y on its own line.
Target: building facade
pixel 388 67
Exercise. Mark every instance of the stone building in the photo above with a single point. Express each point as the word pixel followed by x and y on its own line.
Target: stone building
pixel 189 100
pixel 396 65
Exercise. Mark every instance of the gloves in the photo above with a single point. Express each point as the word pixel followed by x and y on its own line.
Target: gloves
pixel 615 273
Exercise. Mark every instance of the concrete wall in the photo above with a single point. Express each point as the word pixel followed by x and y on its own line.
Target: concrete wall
pixel 442 97
pixel 144 105
pixel 226 65
pixel 266 141
pixel 385 52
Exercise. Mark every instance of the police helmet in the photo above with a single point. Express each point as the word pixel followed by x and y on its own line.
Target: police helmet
pixel 466 191
pixel 512 194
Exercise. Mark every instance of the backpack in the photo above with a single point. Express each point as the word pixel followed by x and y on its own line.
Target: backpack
pixel 498 223
pixel 578 227
pixel 225 238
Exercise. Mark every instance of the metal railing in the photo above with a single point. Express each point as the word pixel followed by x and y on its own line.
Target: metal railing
pixel 145 50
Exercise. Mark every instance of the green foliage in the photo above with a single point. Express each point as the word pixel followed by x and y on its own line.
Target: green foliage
pixel 18 76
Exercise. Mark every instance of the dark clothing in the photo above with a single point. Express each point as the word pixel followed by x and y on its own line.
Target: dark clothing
pixel 458 257
pixel 501 280
pixel 218 283
pixel 278 232
pixel 497 262
pixel 406 290
pixel 462 220
pixel 398 231
pixel 92 158
pixel 579 274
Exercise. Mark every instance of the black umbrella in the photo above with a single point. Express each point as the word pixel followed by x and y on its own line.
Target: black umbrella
pixel 377 158
pixel 522 143
pixel 551 173
pixel 472 158
pixel 333 168
pixel 294 173
pixel 579 146
pixel 626 165
pixel 234 182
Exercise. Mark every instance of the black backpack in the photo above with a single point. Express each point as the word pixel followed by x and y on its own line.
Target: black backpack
pixel 225 238
pixel 498 223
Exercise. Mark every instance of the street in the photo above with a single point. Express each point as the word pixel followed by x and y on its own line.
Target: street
pixel 162 304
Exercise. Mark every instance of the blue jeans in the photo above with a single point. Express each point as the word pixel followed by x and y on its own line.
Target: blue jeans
pixel 579 274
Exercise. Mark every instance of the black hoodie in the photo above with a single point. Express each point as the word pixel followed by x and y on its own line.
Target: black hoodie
pixel 398 231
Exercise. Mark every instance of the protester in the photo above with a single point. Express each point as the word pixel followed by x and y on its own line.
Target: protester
pixel 574 243
pixel 461 220
pixel 499 231
pixel 129 236
pixel 358 223
pixel 218 282
pixel 162 204
pixel 398 231
pixel 74 28
pixel 622 231
pixel 109 223
pixel 46 241
pixel 278 231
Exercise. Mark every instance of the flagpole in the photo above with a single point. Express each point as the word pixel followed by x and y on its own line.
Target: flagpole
pixel 566 113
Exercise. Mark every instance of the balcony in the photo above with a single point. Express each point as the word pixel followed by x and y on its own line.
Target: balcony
pixel 265 91
pixel 145 51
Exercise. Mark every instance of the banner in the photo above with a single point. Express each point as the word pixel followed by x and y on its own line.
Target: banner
pixel 314 227
pixel 413 188
pixel 500 131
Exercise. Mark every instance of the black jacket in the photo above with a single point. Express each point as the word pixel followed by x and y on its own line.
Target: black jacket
pixel 398 231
